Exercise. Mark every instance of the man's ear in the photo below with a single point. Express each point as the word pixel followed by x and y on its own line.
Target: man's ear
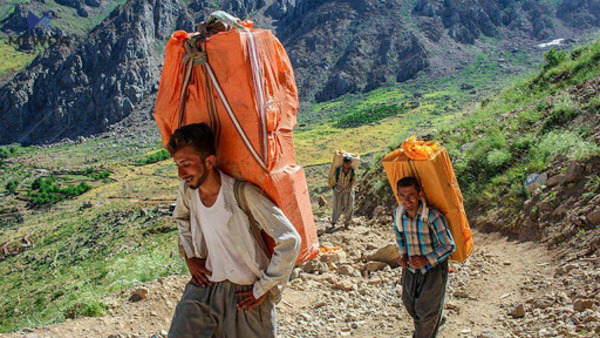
pixel 421 194
pixel 210 162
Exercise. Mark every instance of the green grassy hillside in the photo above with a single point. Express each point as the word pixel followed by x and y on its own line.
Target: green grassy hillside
pixel 369 122
pixel 527 127
pixel 541 124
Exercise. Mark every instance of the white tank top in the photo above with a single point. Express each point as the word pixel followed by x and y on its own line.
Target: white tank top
pixel 223 259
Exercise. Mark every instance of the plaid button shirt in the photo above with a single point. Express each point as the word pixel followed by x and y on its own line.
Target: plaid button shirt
pixel 431 239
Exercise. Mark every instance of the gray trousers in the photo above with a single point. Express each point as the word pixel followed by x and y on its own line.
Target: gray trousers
pixel 212 312
pixel 423 297
pixel 343 204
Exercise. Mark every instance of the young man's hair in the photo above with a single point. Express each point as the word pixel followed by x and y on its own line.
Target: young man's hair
pixel 196 135
pixel 407 182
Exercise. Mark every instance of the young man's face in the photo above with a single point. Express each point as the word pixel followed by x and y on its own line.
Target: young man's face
pixel 409 197
pixel 347 164
pixel 190 166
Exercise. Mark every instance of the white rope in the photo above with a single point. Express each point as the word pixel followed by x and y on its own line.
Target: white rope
pixel 259 92
pixel 234 118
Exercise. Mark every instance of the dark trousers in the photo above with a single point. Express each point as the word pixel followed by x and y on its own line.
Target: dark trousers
pixel 423 296
pixel 212 312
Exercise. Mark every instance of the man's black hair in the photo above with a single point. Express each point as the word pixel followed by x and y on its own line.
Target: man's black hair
pixel 407 182
pixel 196 135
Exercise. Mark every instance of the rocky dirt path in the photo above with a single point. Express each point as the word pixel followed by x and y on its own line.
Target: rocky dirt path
pixel 346 293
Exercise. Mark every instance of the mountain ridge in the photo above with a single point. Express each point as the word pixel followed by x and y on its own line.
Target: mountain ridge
pixel 336 46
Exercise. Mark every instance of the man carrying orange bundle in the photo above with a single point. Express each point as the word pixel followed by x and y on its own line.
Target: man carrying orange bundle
pixel 425 243
pixel 343 192
pixel 234 281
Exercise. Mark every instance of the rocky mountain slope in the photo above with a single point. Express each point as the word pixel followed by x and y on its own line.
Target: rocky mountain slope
pixel 336 47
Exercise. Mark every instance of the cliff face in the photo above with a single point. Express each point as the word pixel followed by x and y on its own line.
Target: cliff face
pixel 83 90
pixel 466 21
pixel 336 47
pixel 346 46
pixel 581 14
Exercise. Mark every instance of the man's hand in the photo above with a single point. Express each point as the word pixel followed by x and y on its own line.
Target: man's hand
pixel 247 300
pixel 198 270
pixel 403 261
pixel 417 262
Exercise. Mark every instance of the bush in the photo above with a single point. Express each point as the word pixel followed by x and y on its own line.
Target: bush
pixel 98 175
pixel 497 159
pixel 564 111
pixel 486 158
pixel 49 192
pixel 11 186
pixel 370 115
pixel 156 156
pixel 42 181
pixel 522 144
pixel 5 153
pixel 553 58
pixel 566 144
pixel 85 308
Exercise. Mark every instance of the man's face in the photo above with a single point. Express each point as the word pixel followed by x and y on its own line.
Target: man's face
pixel 190 166
pixel 409 198
pixel 347 164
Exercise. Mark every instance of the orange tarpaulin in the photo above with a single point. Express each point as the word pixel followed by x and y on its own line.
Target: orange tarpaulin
pixel 431 166
pixel 240 82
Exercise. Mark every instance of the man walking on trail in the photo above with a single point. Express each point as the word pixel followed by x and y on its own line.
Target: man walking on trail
pixel 343 192
pixel 234 283
pixel 425 243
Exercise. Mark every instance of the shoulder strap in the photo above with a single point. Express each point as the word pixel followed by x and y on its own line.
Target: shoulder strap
pixel 425 212
pixel 239 190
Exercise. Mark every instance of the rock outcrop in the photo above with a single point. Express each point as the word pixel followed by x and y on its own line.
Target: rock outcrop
pixel 82 90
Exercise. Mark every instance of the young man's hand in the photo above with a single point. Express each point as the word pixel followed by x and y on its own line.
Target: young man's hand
pixel 199 271
pixel 247 300
pixel 403 261
pixel 417 262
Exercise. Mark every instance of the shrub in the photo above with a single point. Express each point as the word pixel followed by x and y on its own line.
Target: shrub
pixel 553 58
pixel 11 186
pixel 485 159
pixel 42 181
pixel 566 144
pixel 5 152
pixel 156 156
pixel 522 144
pixel 564 111
pixel 45 190
pixel 85 308
pixel 369 115
pixel 497 159
pixel 98 175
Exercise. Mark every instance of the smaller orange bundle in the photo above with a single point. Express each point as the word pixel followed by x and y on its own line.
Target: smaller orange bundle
pixel 419 150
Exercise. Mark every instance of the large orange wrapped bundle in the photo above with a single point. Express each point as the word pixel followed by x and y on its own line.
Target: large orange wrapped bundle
pixel 239 80
pixel 431 166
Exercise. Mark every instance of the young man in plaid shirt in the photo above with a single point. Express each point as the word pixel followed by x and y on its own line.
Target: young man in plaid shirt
pixel 425 243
